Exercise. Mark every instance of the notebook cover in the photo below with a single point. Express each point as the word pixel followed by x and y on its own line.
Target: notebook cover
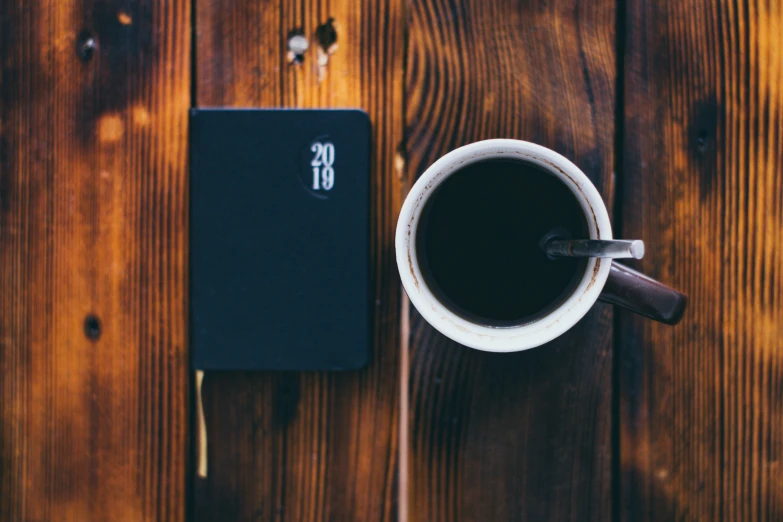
pixel 279 239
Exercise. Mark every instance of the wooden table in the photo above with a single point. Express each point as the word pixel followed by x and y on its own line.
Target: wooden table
pixel 674 108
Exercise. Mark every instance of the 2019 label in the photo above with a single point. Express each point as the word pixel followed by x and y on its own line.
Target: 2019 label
pixel 322 165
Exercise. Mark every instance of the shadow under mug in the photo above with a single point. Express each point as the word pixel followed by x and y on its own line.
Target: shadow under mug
pixel 601 279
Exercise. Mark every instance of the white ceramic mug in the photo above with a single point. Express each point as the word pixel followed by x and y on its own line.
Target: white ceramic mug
pixel 623 285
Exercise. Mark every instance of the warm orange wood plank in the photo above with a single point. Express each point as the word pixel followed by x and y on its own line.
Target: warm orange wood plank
pixel 310 446
pixel 702 403
pixel 524 436
pixel 93 421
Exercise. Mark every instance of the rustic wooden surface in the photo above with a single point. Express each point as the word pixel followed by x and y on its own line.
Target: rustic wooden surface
pixel 311 446
pixel 94 386
pixel 523 436
pixel 93 222
pixel 702 404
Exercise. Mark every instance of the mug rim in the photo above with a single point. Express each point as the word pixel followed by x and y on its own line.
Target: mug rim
pixel 505 338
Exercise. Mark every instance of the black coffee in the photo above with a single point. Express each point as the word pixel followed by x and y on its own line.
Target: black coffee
pixel 478 242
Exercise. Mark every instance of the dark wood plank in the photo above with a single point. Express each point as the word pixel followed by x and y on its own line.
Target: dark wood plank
pixel 702 403
pixel 310 446
pixel 94 412
pixel 522 436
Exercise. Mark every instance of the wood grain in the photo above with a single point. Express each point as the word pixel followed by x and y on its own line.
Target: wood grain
pixel 702 403
pixel 522 436
pixel 311 446
pixel 93 357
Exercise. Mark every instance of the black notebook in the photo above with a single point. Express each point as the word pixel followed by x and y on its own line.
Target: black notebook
pixel 279 239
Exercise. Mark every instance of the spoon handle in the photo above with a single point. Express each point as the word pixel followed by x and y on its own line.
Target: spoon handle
pixel 613 249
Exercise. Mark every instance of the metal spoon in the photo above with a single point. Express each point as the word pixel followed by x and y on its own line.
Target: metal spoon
pixel 613 249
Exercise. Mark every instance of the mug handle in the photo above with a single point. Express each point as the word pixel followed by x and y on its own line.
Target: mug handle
pixel 635 291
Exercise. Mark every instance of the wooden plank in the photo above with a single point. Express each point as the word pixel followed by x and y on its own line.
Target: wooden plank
pixel 93 358
pixel 310 446
pixel 522 436
pixel 702 403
